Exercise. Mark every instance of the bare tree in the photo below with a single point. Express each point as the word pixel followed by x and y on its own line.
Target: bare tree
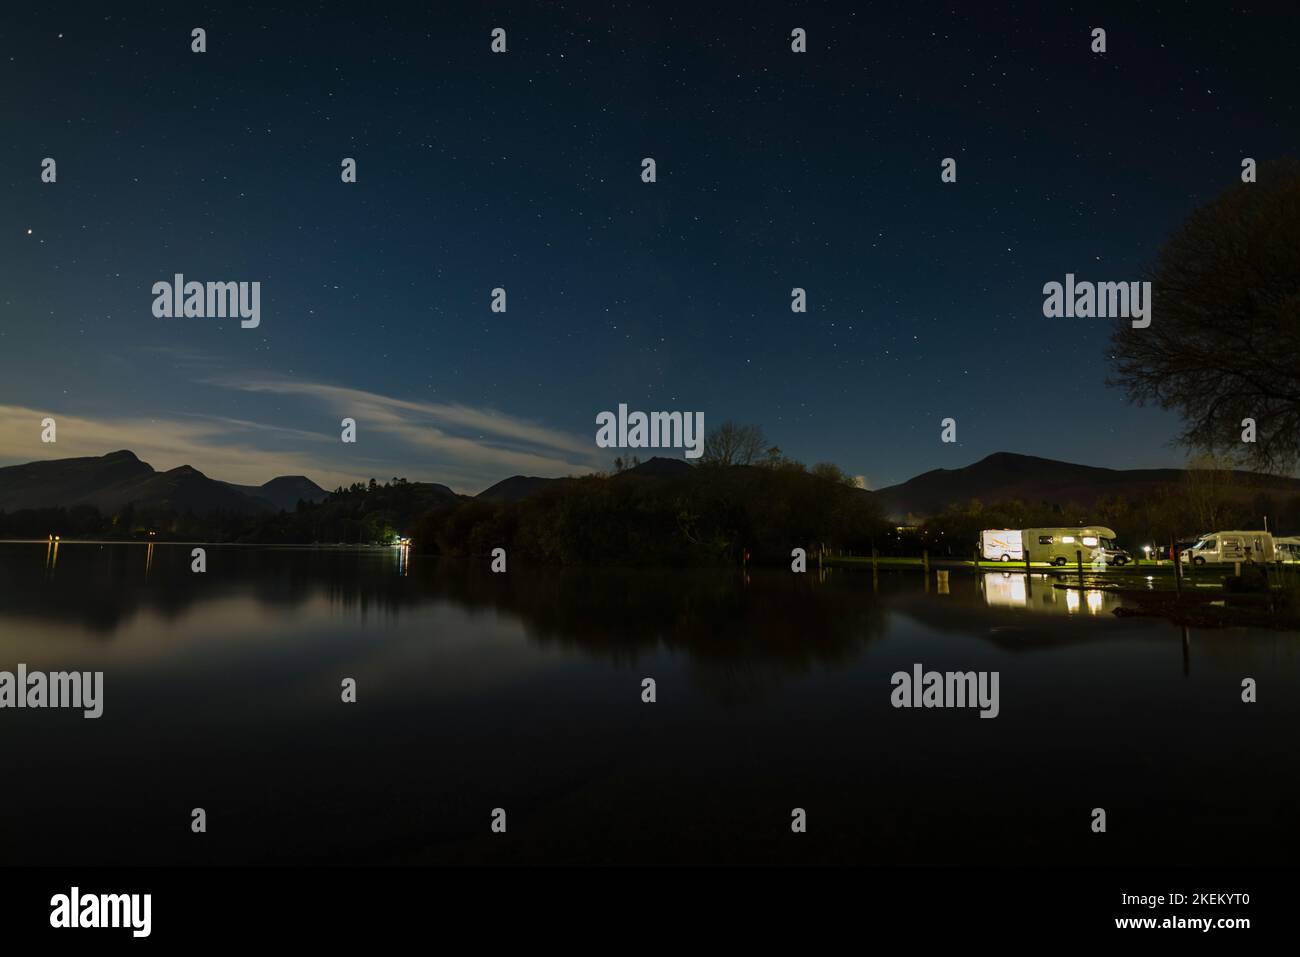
pixel 1224 341
pixel 734 444
pixel 1207 489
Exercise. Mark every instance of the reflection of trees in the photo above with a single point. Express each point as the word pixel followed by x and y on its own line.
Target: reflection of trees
pixel 102 585
pixel 736 636
pixel 740 637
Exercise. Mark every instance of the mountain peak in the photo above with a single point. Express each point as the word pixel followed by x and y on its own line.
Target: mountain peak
pixel 514 488
pixel 999 457
pixel 661 466
pixel 184 471
pixel 1003 476
pixel 1003 460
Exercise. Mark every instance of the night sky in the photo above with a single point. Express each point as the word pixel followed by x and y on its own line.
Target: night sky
pixel 522 170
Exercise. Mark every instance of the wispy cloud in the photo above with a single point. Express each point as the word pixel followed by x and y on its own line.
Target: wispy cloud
pixel 388 407
pixel 464 436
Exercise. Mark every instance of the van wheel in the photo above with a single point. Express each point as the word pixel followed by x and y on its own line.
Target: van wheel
pixel 1058 560
pixel 1198 560
pixel 1006 558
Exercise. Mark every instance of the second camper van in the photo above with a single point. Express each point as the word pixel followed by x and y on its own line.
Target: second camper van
pixel 1231 547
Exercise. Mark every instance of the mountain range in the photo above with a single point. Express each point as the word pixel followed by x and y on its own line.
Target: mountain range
pixel 111 481
pixel 1007 475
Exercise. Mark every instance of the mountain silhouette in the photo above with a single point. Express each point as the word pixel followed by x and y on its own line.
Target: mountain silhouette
pixel 1008 475
pixel 111 481
pixel 519 487
pixel 515 488
pixel 284 491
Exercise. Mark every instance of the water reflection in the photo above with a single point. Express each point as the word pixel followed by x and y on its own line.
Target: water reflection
pixel 524 690
pixel 1046 596
pixel 1005 590
pixel 602 612
pixel 749 627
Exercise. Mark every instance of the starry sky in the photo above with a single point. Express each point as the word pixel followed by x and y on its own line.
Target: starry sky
pixel 522 170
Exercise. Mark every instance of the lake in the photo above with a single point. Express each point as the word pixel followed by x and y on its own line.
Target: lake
pixel 523 692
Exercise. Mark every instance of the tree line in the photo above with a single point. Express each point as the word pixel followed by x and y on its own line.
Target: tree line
pixel 358 514
pixel 714 514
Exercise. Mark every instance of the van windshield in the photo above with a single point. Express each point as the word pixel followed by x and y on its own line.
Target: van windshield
pixel 1206 543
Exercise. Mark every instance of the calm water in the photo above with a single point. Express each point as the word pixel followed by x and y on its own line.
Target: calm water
pixel 523 692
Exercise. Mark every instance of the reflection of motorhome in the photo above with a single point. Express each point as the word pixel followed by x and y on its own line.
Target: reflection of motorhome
pixel 1059 545
pixel 1231 547
pixel 1005 590
pixel 1001 545
pixel 1009 590
pixel 1287 549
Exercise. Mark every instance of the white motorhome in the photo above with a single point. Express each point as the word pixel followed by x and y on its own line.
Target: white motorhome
pixel 1058 546
pixel 1001 545
pixel 1249 546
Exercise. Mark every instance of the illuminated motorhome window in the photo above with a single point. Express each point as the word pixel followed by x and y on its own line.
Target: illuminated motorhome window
pixel 1090 541
pixel 1067 539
